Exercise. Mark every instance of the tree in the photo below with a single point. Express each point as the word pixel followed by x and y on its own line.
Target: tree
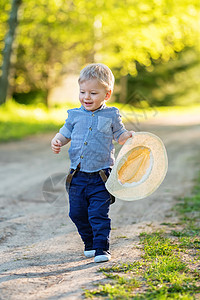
pixel 59 36
pixel 8 50
pixel 54 37
pixel 146 31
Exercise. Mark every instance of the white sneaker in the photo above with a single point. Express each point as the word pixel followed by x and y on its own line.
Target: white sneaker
pixel 89 253
pixel 102 256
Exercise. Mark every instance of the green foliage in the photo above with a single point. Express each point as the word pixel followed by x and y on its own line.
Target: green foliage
pixel 58 36
pixel 174 83
pixel 32 97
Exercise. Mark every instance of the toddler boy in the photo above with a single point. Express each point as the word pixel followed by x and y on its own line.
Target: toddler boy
pixel 91 129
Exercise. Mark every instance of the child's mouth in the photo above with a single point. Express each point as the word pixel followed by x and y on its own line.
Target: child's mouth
pixel 88 103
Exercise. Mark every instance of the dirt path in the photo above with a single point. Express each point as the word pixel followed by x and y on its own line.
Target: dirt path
pixel 41 253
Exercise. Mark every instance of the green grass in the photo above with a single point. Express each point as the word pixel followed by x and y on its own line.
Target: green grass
pixel 156 245
pixel 168 268
pixel 161 275
pixel 122 268
pixel 18 120
pixel 188 209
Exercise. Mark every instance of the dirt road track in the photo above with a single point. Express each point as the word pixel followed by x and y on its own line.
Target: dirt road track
pixel 41 255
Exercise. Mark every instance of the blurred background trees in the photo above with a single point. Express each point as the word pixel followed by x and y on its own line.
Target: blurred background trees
pixel 9 40
pixel 151 46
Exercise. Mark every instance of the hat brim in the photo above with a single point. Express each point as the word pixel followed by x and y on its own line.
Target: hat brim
pixel 155 176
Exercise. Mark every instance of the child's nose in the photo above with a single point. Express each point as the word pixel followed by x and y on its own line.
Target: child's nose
pixel 87 96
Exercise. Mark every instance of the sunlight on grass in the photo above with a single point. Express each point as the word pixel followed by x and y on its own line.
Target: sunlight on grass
pixel 18 120
pixel 13 111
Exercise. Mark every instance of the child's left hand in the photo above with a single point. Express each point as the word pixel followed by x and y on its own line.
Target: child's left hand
pixel 125 136
pixel 131 132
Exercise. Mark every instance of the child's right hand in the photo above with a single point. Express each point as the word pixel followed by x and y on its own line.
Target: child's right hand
pixel 56 145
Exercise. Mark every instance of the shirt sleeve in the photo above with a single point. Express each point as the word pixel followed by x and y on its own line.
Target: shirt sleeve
pixel 66 130
pixel 118 126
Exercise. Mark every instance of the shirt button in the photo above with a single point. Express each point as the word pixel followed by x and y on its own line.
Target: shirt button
pixel 93 115
pixel 90 128
pixel 85 143
pixel 81 156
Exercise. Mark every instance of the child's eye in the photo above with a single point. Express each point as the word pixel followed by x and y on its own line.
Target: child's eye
pixel 93 93
pixel 82 92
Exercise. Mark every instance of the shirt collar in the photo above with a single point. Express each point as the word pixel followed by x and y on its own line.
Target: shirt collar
pixel 100 108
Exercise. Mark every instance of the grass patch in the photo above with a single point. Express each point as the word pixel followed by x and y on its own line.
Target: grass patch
pixel 188 209
pixel 156 245
pixel 18 120
pixel 161 275
pixel 167 267
pixel 122 268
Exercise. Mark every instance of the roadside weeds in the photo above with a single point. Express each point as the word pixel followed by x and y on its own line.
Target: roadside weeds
pixel 169 267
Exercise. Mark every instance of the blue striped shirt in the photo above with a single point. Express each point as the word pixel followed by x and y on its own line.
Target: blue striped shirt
pixel 91 135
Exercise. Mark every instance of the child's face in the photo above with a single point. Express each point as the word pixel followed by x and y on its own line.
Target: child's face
pixel 92 94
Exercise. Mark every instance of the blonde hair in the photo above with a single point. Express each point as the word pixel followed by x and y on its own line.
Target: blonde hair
pixel 99 71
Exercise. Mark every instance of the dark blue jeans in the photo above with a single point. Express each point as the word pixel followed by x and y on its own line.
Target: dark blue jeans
pixel 89 207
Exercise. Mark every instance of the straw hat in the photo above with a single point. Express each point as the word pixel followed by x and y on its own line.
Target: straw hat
pixel 140 167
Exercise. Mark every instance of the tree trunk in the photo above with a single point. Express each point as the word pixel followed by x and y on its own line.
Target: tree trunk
pixel 8 50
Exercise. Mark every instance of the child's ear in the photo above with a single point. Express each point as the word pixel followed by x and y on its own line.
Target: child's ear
pixel 108 95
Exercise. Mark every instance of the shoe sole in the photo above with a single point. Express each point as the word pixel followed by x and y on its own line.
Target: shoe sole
pixel 102 258
pixel 89 253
